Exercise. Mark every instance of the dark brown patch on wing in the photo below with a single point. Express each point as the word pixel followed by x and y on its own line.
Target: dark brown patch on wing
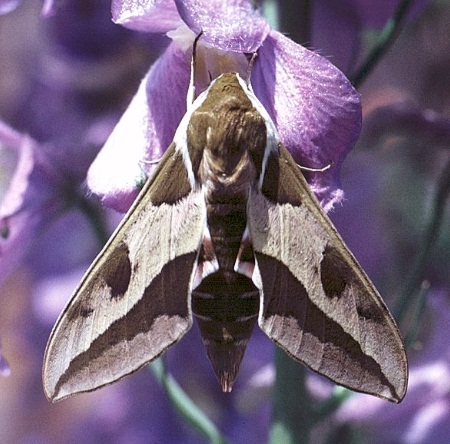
pixel 80 309
pixel 338 281
pixel 281 178
pixel 310 336
pixel 117 271
pixel 333 273
pixel 170 182
pixel 246 253
pixel 167 296
pixel 85 312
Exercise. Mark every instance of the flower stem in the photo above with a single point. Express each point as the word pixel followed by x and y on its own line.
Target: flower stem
pixel 184 405
pixel 387 37
pixel 96 219
pixel 295 19
pixel 293 416
pixel 429 240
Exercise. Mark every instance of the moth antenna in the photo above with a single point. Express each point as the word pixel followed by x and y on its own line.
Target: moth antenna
pixel 191 90
pixel 316 170
pixel 250 67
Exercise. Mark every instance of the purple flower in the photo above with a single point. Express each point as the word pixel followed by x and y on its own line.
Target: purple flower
pixel 44 187
pixel 31 199
pixel 56 98
pixel 316 110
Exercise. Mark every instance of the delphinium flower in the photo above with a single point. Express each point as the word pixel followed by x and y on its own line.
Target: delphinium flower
pixel 316 110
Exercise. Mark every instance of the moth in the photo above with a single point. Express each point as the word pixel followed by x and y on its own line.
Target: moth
pixel 227 232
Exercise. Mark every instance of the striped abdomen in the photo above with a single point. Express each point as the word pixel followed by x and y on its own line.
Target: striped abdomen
pixel 226 303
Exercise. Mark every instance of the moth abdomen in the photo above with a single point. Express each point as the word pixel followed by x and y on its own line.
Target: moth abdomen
pixel 226 223
pixel 226 306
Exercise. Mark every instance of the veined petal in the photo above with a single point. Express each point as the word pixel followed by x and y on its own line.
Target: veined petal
pixel 232 25
pixel 315 108
pixel 143 133
pixel 148 15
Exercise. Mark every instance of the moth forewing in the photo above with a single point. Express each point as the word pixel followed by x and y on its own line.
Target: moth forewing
pixel 133 302
pixel 317 302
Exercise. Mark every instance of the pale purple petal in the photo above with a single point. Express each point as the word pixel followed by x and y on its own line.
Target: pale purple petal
pixel 315 108
pixel 143 133
pixel 51 7
pixel 5 369
pixel 157 16
pixel 229 25
pixel 28 204
pixel 9 136
pixel 7 6
pixel 408 119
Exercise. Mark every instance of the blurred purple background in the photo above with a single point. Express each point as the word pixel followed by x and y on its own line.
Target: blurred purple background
pixel 66 79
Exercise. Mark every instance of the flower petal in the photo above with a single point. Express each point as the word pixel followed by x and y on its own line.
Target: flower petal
pixel 315 108
pixel 5 369
pixel 143 133
pixel 29 202
pixel 232 25
pixel 148 16
pixel 407 119
pixel 7 6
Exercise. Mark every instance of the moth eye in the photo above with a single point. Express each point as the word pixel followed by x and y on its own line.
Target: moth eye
pixel 332 273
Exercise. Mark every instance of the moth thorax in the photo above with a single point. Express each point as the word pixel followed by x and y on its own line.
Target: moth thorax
pixel 244 134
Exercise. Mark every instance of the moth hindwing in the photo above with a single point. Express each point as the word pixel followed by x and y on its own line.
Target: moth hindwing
pixel 226 231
